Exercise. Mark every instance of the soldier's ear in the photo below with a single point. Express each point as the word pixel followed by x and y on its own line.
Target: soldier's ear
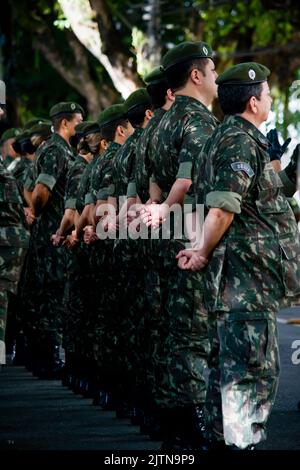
pixel 63 123
pixel 196 76
pixel 170 95
pixel 120 130
pixel 252 105
pixel 149 114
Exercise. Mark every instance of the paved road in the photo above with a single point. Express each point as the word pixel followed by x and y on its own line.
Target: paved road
pixel 40 415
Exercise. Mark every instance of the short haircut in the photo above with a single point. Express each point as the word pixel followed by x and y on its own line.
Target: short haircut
pixel 136 115
pixel 157 93
pixel 233 99
pixel 56 120
pixel 178 74
pixel 108 131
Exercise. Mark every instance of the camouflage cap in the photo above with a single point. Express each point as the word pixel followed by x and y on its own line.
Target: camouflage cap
pixel 24 135
pixel 186 51
pixel 156 76
pixel 247 73
pixel 65 108
pixel 10 134
pixel 112 113
pixel 33 122
pixel 41 128
pixel 140 96
pixel 87 127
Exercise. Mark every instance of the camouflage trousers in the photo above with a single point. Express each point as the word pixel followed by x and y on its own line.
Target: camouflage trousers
pixel 153 324
pixel 11 261
pixel 130 270
pixel 160 269
pixel 187 341
pixel 244 374
pixel 102 310
pixel 76 297
pixel 29 287
pixel 48 299
pixel 182 349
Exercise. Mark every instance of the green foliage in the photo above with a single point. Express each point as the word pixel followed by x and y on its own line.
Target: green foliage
pixel 238 31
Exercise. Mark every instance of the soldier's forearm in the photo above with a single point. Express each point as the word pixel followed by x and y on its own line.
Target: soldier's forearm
pixel 155 192
pixel 67 222
pixel 178 191
pixel 40 198
pixel 83 221
pixel 216 224
pixel 28 198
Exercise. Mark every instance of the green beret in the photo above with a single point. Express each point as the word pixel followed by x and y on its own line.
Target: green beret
pixel 156 75
pixel 41 128
pixel 136 98
pixel 112 113
pixel 34 121
pixel 247 73
pixel 186 51
pixel 10 134
pixel 22 136
pixel 65 108
pixel 86 127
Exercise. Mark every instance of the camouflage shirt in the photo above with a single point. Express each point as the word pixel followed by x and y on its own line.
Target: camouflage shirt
pixel 20 172
pixel 52 163
pixel 85 184
pixel 123 165
pixel 143 165
pixel 73 182
pixel 101 177
pixel 257 263
pixel 7 161
pixel 85 196
pixel 13 227
pixel 177 143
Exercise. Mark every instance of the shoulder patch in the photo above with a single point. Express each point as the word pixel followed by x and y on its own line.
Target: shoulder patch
pixel 242 166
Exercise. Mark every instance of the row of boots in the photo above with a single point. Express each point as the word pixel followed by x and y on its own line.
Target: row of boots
pixel 181 429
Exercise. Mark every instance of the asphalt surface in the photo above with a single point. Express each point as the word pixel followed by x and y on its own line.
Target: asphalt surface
pixel 43 415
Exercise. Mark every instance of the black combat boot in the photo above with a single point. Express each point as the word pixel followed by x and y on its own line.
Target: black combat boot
pixel 185 430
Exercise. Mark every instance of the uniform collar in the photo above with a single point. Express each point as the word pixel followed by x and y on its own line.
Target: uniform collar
pixel 58 138
pixel 159 112
pixel 189 99
pixel 111 149
pixel 137 132
pixel 80 158
pixel 61 141
pixel 249 128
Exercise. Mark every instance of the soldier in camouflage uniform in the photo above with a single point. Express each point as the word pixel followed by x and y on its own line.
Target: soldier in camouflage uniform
pixel 23 147
pixel 82 370
pixel 14 238
pixel 176 145
pixel 39 133
pixel 8 153
pixel 23 165
pixel 251 239
pixel 75 303
pixel 51 166
pixel 115 129
pixel 129 269
pixel 139 186
pixel 162 99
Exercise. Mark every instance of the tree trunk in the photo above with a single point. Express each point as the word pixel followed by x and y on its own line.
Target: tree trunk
pixel 85 19
pixel 77 74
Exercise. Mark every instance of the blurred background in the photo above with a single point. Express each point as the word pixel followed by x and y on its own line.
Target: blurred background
pixel 96 52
